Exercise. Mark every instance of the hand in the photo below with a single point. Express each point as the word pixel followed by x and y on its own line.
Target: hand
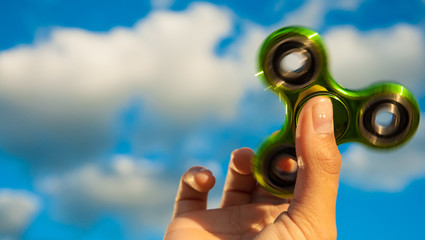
pixel 247 211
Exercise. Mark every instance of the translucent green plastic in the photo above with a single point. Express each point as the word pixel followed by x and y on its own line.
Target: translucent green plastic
pixel 354 111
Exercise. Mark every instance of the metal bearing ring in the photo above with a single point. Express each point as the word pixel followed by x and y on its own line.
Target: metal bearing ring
pixel 293 78
pixel 283 182
pixel 390 134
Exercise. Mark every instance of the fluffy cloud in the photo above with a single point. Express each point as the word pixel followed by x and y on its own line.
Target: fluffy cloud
pixel 167 58
pixel 385 171
pixel 358 59
pixel 66 92
pixel 17 209
pixel 134 188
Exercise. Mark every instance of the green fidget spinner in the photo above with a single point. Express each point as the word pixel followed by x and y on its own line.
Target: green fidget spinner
pixel 293 64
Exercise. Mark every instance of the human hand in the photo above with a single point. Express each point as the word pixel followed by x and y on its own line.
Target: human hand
pixel 247 211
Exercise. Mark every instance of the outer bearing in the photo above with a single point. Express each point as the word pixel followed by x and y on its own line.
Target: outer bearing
pixel 283 182
pixel 394 132
pixel 293 79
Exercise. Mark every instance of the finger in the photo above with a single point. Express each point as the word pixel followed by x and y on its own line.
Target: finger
pixel 240 182
pixel 319 163
pixel 193 191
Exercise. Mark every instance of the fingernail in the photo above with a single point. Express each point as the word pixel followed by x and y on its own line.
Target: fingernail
pixel 323 115
pixel 202 177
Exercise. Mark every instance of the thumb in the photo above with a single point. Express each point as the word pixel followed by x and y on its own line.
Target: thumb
pixel 319 163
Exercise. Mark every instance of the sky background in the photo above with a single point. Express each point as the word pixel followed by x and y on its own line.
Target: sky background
pixel 104 104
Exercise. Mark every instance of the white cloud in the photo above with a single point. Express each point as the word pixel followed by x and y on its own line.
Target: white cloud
pixel 385 170
pixel 17 209
pixel 167 58
pixel 135 188
pixel 358 59
pixel 66 92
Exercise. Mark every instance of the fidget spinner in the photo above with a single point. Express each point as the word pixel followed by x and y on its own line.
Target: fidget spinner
pixel 293 64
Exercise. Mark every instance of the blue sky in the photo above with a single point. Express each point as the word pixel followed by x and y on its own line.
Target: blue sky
pixel 105 104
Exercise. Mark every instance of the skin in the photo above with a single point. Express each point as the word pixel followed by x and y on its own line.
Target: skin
pixel 247 211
